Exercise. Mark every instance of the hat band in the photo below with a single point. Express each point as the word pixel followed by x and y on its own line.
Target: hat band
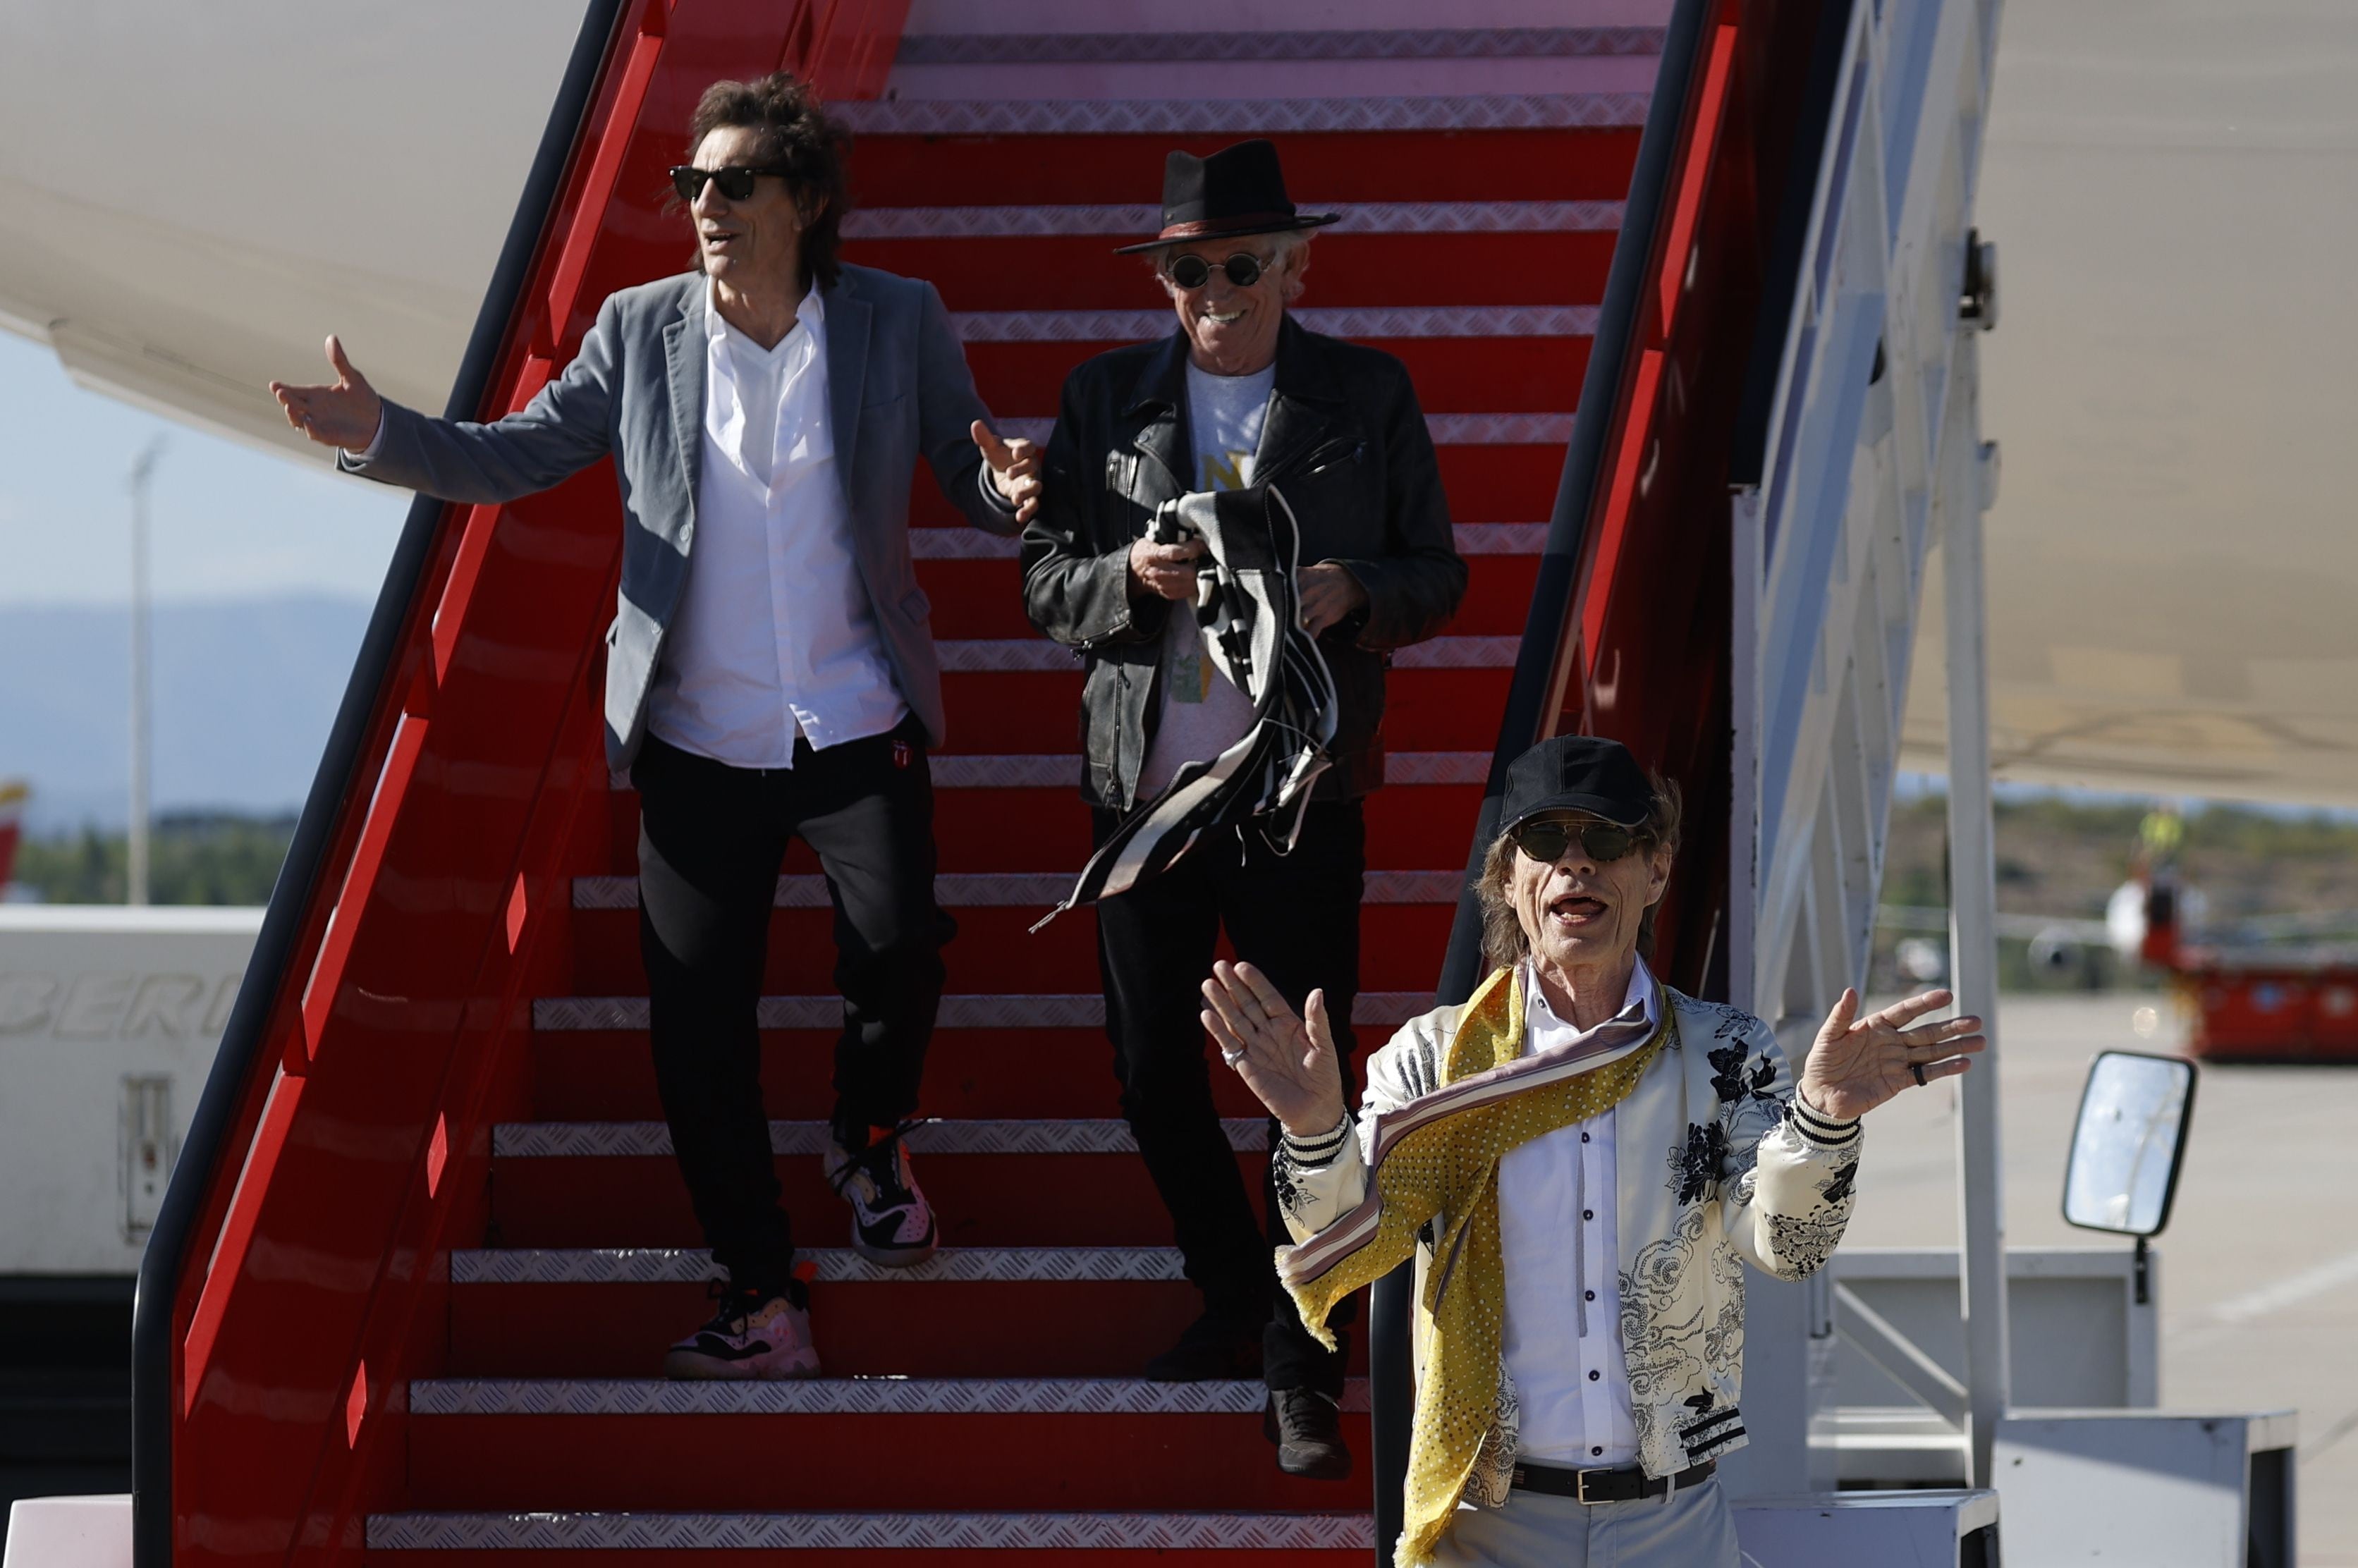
pixel 1196 228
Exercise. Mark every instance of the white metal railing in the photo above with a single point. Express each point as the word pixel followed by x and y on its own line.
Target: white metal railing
pixel 1872 450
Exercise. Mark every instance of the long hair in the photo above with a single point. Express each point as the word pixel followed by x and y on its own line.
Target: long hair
pixel 798 136
pixel 1505 942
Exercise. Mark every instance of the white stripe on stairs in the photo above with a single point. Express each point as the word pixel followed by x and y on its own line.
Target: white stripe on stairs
pixel 979 1011
pixel 870 1533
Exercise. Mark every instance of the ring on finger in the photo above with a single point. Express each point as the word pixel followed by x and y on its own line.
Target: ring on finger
pixel 1232 1057
pixel 1917 1070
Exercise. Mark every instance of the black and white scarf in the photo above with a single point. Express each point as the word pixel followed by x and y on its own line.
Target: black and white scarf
pixel 1248 604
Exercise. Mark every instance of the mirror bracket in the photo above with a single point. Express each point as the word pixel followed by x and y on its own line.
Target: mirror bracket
pixel 2144 1273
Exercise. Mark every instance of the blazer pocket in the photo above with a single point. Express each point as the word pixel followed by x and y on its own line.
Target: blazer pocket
pixel 889 400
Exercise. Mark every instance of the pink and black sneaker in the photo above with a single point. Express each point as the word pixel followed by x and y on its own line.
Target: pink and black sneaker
pixel 892 1223
pixel 753 1335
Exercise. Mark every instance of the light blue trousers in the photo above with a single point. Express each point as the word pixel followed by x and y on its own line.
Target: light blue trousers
pixel 1690 1529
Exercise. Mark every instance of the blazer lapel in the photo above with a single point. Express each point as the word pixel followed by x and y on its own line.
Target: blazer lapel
pixel 684 358
pixel 847 371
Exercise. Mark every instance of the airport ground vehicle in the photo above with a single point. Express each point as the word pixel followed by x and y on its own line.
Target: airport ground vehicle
pixel 109 1018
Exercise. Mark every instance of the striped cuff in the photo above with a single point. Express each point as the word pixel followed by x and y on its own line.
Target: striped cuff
pixel 1821 1130
pixel 1316 1154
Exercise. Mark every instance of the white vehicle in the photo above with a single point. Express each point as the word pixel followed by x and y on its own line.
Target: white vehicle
pixel 109 1019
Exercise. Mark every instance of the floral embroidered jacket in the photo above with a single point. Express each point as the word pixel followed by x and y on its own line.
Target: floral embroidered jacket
pixel 1718 1165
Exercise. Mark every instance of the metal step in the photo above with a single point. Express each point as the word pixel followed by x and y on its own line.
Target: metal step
pixel 803 1532
pixel 1053 1011
pixel 603 1140
pixel 1241 116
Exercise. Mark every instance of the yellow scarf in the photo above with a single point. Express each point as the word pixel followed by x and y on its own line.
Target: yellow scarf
pixel 1451 1167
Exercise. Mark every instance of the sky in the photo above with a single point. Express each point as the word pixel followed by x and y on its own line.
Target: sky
pixel 228 521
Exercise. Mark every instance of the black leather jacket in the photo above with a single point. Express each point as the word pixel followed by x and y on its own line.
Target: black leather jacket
pixel 1344 443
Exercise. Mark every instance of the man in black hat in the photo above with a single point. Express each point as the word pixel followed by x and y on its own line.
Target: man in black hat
pixel 1585 1158
pixel 1238 395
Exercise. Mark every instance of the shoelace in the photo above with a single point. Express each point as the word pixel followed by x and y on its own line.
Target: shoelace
pixel 740 1305
pixel 877 1161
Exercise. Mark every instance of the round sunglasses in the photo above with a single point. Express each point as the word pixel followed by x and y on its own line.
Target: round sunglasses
pixel 1547 840
pixel 1193 271
pixel 736 181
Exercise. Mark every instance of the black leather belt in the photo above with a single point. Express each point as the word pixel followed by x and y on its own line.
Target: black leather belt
pixel 1623 1485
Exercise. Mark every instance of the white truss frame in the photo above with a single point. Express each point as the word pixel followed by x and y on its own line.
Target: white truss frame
pixel 1860 471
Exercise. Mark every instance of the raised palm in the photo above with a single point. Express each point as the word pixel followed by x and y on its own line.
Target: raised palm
pixel 344 414
pixel 1859 1063
pixel 1287 1061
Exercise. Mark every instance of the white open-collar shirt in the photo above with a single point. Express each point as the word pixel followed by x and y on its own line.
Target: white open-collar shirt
pixel 774 638
pixel 1561 1340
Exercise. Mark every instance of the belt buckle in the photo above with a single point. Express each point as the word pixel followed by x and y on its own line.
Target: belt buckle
pixel 1580 1488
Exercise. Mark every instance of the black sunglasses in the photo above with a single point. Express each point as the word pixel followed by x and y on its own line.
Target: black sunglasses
pixel 736 181
pixel 1547 840
pixel 1194 272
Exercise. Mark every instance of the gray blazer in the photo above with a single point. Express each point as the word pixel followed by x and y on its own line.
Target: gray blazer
pixel 898 386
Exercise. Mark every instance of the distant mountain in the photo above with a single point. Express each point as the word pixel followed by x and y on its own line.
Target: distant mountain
pixel 244 693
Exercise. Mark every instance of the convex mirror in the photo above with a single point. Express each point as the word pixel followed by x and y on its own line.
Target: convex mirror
pixel 2130 1140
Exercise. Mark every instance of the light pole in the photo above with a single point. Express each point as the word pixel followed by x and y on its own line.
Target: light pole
pixel 143 471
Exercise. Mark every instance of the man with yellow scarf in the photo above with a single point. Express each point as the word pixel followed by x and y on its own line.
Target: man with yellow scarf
pixel 1581 1160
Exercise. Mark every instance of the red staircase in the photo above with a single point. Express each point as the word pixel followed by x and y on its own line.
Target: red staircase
pixel 450 1244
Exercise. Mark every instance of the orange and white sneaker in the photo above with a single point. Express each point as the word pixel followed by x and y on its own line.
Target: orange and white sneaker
pixel 753 1334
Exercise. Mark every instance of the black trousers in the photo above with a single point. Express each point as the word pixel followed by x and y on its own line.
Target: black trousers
pixel 710 840
pixel 1296 918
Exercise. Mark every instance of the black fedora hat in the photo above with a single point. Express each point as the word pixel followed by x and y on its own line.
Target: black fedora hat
pixel 1237 190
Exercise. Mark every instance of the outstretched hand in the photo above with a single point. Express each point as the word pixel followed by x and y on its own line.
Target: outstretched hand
pixel 1859 1063
pixel 1288 1062
pixel 1014 469
pixel 345 414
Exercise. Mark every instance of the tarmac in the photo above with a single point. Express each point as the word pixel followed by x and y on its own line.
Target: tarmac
pixel 2258 1275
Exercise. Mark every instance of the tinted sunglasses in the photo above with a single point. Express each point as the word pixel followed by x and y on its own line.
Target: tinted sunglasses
pixel 1546 840
pixel 736 181
pixel 1194 272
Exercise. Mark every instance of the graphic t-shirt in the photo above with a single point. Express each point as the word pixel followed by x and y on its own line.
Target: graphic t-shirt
pixel 1201 713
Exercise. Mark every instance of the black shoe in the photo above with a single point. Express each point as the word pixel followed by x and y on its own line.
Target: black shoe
pixel 1307 1428
pixel 1213 1347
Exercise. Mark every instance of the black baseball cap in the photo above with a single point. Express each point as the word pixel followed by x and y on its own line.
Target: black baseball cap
pixel 1576 773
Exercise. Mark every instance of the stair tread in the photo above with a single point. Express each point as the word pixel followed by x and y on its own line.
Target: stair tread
pixel 1251 42
pixel 961 544
pixel 976 655
pixel 1466 429
pixel 1143 1532
pixel 1037 1010
pixel 693 1265
pixel 1245 116
pixel 1118 218
pixel 1062 771
pixel 546 1139
pixel 1341 321
pixel 431 1397
pixel 1028 890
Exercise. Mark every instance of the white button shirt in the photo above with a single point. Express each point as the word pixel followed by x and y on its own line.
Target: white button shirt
pixel 774 637
pixel 1562 1245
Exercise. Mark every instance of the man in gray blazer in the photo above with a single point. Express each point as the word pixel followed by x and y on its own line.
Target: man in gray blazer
pixel 770 670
